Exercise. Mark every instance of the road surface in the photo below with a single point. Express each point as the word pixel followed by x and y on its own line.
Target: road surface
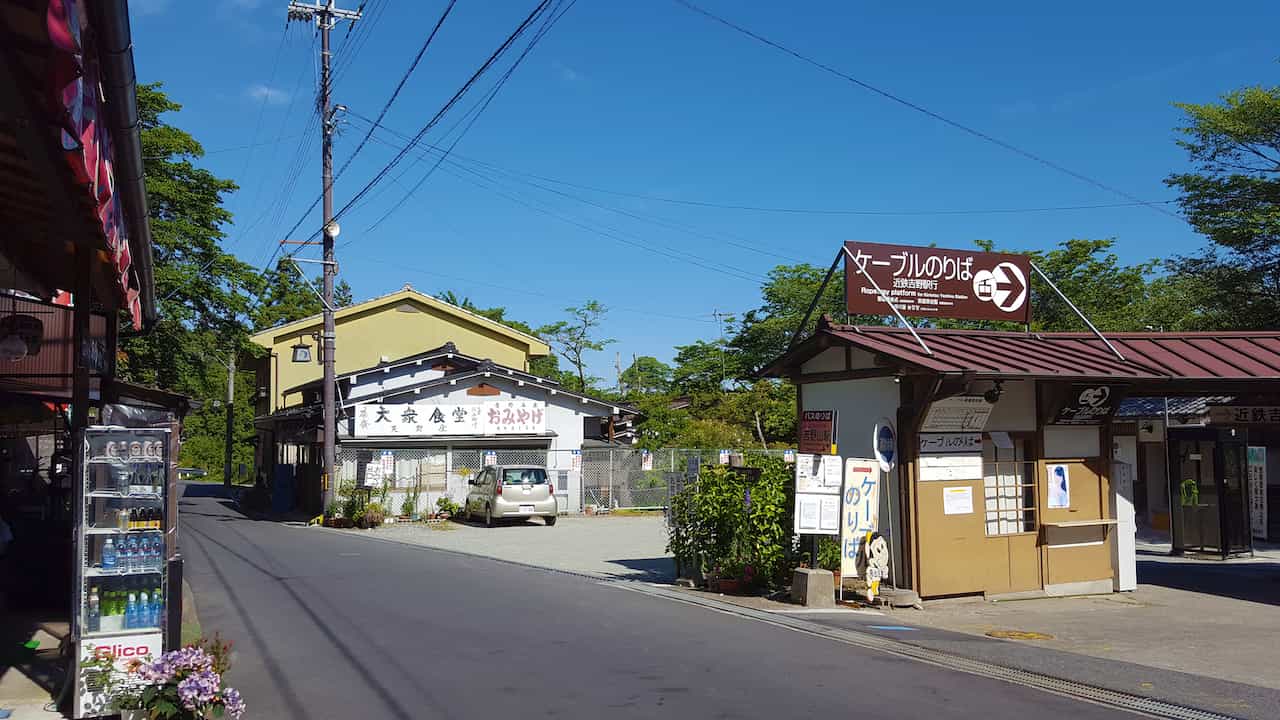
pixel 327 625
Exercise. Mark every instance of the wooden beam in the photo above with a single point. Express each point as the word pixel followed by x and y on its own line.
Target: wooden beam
pixel 860 374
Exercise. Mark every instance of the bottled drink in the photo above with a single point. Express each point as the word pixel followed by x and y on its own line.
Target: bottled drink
pixel 131 554
pixel 131 612
pixel 122 518
pixel 143 615
pixel 94 613
pixel 109 555
pixel 153 553
pixel 157 606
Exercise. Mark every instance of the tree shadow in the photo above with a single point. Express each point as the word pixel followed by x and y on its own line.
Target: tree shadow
pixel 658 569
pixel 1250 581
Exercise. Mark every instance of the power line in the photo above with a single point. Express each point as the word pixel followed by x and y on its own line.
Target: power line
pixel 386 106
pixel 382 173
pixel 552 18
pixel 921 109
pixel 774 209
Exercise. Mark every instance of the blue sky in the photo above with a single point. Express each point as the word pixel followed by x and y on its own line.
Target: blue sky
pixel 648 98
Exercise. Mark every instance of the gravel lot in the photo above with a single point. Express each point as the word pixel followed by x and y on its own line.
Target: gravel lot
pixel 631 547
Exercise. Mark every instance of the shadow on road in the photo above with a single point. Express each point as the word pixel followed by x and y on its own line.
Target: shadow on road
pixel 1253 582
pixel 658 569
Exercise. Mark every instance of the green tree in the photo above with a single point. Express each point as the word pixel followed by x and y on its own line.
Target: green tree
pixel 704 367
pixel 575 337
pixel 203 293
pixel 1232 196
pixel 646 375
pixel 285 297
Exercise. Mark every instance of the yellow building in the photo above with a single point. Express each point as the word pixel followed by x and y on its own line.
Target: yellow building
pixel 380 330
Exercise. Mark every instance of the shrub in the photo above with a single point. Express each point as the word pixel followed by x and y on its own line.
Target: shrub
pixel 445 504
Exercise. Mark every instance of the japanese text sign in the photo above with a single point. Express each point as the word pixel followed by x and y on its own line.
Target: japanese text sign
pixel 936 282
pixel 1088 405
pixel 817 431
pixel 1244 414
pixel 493 417
pixel 859 509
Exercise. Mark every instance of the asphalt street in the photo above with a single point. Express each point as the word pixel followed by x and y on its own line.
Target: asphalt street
pixel 329 625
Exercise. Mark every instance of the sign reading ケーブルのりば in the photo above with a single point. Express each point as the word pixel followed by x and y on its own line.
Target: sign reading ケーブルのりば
pixel 937 282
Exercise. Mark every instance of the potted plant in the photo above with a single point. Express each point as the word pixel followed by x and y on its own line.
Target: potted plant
pixel 186 684
pixel 829 557
pixel 446 507
pixel 407 509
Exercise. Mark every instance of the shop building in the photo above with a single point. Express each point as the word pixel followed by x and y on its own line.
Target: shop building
pixel 425 423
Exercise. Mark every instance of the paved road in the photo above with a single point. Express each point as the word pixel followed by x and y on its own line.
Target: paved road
pixel 328 625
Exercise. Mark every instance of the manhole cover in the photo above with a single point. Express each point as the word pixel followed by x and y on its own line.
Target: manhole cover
pixel 1018 635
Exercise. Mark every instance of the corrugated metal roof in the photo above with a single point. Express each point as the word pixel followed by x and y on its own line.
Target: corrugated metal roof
pixel 1147 407
pixel 1229 355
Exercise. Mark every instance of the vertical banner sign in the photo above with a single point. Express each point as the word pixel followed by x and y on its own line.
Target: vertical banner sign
pixel 937 283
pixel 1059 486
pixel 388 463
pixel 724 457
pixel 1258 492
pixel 859 522
pixel 818 432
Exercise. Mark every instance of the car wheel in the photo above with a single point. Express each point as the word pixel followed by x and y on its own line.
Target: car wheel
pixel 551 520
pixel 488 516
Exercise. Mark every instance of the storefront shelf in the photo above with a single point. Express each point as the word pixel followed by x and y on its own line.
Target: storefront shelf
pixel 117 495
pixel 117 531
pixel 102 634
pixel 123 461
pixel 94 572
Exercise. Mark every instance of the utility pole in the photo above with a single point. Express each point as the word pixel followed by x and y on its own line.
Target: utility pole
pixel 719 320
pixel 326 15
pixel 231 419
pixel 617 367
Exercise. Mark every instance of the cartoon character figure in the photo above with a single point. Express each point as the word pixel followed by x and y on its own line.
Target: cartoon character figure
pixel 873 562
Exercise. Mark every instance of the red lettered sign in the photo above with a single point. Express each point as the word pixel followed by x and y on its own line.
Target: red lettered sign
pixel 817 431
pixel 937 283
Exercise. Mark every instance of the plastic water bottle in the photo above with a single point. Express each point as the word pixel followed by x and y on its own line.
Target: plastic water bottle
pixel 131 612
pixel 144 610
pixel 109 555
pixel 157 606
pixel 133 559
pixel 95 611
pixel 153 554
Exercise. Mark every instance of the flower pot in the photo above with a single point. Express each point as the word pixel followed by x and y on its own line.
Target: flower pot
pixel 729 586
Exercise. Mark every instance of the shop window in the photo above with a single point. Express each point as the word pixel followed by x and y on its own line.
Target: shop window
pixel 1009 486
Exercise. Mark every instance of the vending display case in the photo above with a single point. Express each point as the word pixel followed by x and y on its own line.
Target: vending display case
pixel 121 583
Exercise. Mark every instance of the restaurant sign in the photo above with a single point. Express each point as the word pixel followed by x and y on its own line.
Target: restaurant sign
pixel 937 282
pixel 493 417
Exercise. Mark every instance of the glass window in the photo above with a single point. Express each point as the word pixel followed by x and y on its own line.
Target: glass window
pixel 1009 488
pixel 524 476
pixel 562 481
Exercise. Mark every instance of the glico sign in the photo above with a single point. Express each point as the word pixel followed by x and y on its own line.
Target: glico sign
pixel 937 283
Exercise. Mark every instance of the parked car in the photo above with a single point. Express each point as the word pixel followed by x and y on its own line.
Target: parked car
pixel 503 491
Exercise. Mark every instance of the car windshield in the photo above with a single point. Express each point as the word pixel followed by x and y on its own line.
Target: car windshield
pixel 524 476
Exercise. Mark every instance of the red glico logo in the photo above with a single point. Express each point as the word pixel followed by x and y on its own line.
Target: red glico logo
pixel 122 651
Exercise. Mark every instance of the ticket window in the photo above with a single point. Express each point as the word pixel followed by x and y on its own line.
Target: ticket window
pixel 1009 485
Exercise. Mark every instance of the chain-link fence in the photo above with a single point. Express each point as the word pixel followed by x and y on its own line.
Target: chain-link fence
pixel 601 479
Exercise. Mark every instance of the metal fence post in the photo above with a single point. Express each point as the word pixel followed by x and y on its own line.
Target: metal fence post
pixel 610 478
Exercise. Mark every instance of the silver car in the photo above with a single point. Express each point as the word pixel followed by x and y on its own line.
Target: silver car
pixel 503 491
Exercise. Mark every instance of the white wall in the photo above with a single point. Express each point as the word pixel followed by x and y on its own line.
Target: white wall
pixel 1067 442
pixel 1016 409
pixel 860 405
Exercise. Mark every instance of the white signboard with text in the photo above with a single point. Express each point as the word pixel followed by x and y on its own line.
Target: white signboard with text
pixel 950 456
pixel 90 701
pixel 859 510
pixel 1258 491
pixel 818 483
pixel 959 414
pixel 491 417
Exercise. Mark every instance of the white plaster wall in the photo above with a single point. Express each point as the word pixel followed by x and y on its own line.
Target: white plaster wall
pixel 860 405
pixel 832 360
pixel 1016 409
pixel 1067 442
pixel 376 381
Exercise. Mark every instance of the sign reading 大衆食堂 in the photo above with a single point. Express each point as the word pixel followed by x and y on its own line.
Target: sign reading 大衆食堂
pixel 937 282
pixel 491 417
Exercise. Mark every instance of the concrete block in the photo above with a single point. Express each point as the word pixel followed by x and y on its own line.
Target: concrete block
pixel 813 588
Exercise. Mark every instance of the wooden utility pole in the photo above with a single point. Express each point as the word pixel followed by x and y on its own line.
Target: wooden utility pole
pixel 326 15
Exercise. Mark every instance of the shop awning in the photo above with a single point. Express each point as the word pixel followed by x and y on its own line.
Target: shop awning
pixel 1194 362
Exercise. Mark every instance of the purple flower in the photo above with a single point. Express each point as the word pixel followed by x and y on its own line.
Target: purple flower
pixel 232 702
pixel 198 689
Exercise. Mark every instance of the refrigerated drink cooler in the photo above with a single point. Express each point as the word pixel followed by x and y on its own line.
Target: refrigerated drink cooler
pixel 121 583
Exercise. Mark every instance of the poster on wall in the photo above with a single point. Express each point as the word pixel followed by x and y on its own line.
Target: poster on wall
pixel 373 475
pixel 817 503
pixel 957 500
pixel 817 433
pixel 936 282
pixel 1059 486
pixel 1258 492
pixel 959 414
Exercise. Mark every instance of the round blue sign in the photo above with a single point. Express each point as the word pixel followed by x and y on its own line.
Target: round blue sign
pixel 886 445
